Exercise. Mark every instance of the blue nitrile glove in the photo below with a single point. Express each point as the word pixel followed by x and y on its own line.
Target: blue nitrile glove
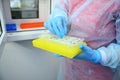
pixel 57 26
pixel 57 55
pixel 89 54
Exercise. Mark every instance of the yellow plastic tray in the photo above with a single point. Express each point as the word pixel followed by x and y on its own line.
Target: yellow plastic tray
pixel 67 46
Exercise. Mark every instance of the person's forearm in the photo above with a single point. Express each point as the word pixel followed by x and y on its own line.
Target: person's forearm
pixel 110 55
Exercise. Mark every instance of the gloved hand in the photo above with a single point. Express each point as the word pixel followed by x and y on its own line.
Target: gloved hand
pixel 89 54
pixel 57 26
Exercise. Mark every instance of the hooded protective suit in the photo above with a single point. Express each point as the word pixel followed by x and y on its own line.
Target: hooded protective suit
pixel 93 20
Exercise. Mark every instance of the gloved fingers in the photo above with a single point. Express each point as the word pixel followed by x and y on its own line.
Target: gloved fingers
pixel 55 28
pixel 49 26
pixel 89 54
pixel 81 56
pixel 57 55
pixel 61 28
pixel 85 48
pixel 64 26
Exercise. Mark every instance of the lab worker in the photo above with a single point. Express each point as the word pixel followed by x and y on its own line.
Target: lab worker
pixel 98 22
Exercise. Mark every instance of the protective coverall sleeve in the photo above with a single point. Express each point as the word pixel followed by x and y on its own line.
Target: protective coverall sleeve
pixel 111 54
pixel 60 9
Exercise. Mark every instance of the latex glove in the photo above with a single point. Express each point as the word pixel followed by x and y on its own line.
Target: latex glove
pixel 57 55
pixel 89 54
pixel 57 26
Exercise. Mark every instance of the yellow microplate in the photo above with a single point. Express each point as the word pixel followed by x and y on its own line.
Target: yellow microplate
pixel 67 46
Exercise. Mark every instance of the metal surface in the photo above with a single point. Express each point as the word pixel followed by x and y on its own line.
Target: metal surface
pixel 3 35
pixel 26 35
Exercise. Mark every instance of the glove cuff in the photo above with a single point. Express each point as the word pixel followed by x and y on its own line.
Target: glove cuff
pixel 96 57
pixel 99 57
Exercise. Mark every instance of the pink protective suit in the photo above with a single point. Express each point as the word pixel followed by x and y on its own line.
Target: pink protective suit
pixel 94 21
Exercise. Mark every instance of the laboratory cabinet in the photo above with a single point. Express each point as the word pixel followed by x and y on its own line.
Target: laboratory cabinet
pixel 19 20
pixel 23 19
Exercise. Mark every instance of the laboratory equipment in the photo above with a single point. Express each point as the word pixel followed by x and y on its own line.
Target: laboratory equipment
pixel 57 25
pixel 25 18
pixel 67 46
